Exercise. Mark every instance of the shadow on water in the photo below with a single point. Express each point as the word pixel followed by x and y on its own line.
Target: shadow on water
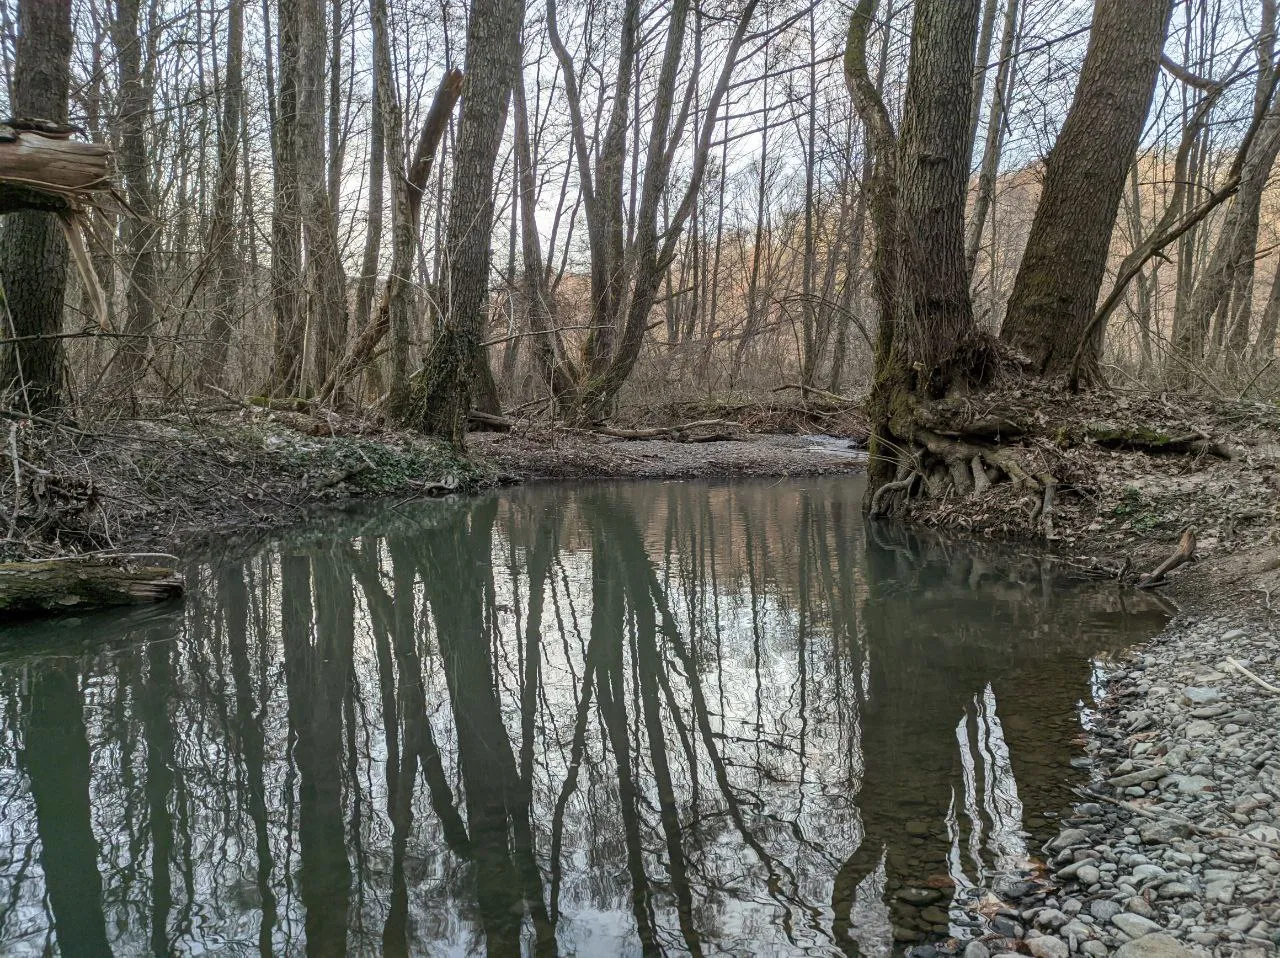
pixel 634 719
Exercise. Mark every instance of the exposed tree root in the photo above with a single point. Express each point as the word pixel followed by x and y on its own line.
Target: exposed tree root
pixel 951 460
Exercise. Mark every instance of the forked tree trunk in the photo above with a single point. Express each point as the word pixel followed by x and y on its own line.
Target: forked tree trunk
pixel 457 367
pixel 1056 289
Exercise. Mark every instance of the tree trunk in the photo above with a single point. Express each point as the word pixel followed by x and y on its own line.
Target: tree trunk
pixel 1056 289
pixel 222 228
pixel 457 367
pixel 373 219
pixel 326 282
pixel 1233 254
pixel 141 230
pixel 286 220
pixel 33 249
pixel 927 345
pixel 994 142
pixel 980 62
pixel 548 349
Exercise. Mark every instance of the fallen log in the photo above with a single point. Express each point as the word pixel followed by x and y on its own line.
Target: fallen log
pixel 57 586
pixel 680 433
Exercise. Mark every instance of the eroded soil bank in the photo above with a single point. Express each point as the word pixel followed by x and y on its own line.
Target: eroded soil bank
pixel 1176 852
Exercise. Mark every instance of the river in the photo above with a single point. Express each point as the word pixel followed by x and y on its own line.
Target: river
pixel 642 718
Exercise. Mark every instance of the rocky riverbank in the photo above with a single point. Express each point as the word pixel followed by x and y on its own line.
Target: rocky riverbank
pixel 1174 851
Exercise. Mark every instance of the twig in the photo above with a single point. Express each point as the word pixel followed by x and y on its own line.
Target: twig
pixel 1247 674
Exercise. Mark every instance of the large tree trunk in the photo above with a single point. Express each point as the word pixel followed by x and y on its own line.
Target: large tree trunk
pixel 1056 289
pixel 457 367
pixel 33 249
pixel 927 346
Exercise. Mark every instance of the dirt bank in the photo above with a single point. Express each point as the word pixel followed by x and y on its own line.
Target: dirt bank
pixel 175 481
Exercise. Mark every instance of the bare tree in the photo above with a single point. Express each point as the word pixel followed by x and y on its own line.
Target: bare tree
pixel 221 243
pixel 440 397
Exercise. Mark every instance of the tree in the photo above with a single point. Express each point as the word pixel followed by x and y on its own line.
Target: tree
pixel 439 398
pixel 629 260
pixel 928 346
pixel 33 249
pixel 221 245
pixel 286 217
pixel 326 286
pixel 1221 302
pixel 1056 288
pixel 141 231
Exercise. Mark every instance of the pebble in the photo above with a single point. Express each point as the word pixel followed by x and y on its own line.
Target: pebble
pixel 1242 922
pixel 1199 695
pixel 976 949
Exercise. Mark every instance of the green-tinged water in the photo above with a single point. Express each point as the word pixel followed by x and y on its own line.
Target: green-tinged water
pixel 615 719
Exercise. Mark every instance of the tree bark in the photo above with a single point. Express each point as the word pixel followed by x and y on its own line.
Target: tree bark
pixel 325 280
pixel 33 249
pixel 927 345
pixel 1056 289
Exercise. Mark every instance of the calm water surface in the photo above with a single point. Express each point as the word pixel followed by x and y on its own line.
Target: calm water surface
pixel 617 719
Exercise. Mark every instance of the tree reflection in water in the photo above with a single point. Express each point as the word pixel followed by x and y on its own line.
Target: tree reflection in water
pixel 637 719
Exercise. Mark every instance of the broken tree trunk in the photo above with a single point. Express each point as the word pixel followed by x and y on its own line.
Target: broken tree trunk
pixel 42 168
pixel 78 585
pixel 47 171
